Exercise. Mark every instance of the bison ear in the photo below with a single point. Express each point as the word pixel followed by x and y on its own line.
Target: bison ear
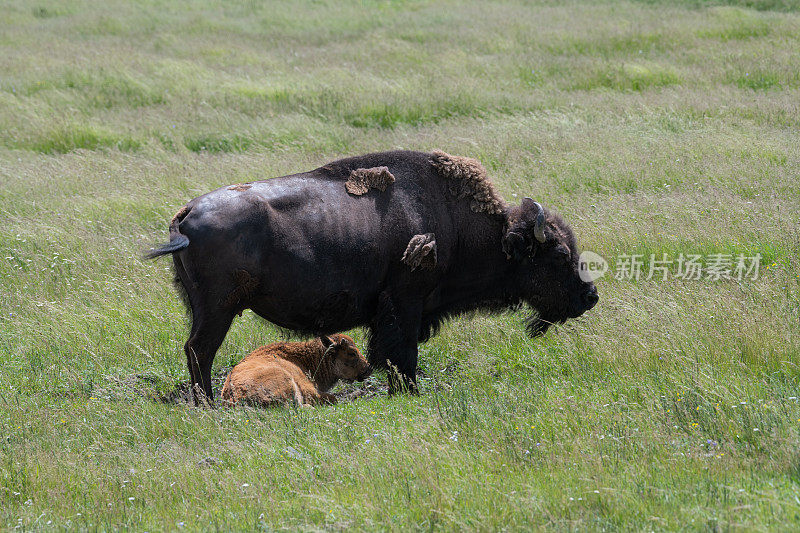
pixel 326 341
pixel 514 245
pixel 529 204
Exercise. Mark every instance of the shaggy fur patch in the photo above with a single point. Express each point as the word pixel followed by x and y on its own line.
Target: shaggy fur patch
pixel 421 252
pixel 239 187
pixel 180 215
pixel 362 179
pixel 468 179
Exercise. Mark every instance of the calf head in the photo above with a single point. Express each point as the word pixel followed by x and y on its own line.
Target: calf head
pixel 346 361
pixel 546 266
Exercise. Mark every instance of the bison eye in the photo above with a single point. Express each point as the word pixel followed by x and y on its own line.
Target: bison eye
pixel 562 250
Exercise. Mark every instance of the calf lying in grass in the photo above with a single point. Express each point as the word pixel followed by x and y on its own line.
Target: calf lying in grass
pixel 295 372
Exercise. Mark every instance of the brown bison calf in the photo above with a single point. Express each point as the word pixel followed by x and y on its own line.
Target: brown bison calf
pixel 301 372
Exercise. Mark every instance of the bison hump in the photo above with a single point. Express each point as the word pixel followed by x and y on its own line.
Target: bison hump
pixel 468 179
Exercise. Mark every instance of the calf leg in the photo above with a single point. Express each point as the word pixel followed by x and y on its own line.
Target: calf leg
pixel 393 342
pixel 319 398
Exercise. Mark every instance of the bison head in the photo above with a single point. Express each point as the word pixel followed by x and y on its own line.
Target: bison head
pixel 546 266
pixel 348 362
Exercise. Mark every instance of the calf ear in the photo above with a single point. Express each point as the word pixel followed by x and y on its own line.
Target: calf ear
pixel 343 343
pixel 326 341
pixel 514 245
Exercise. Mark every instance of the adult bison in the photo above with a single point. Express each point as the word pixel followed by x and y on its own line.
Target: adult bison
pixel 394 241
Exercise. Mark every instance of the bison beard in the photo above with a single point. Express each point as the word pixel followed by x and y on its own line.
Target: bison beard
pixel 413 240
pixel 537 326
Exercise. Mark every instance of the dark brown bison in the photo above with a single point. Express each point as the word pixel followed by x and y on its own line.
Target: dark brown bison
pixel 299 372
pixel 394 241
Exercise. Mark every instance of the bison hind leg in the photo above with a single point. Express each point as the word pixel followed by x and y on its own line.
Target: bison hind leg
pixel 208 332
pixel 210 324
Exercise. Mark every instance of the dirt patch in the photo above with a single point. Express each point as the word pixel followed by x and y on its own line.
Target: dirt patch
pixel 153 387
pixel 182 392
pixel 157 389
pixel 370 388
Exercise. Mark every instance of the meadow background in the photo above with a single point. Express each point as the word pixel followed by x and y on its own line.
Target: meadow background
pixel 652 127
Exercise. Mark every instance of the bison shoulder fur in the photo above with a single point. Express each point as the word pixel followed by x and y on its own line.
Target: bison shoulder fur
pixel 468 179
pixel 362 180
pixel 421 252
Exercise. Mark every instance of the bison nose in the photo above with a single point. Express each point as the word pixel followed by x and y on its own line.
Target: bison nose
pixel 590 298
pixel 365 374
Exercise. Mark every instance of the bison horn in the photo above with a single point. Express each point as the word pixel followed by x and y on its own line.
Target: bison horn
pixel 538 228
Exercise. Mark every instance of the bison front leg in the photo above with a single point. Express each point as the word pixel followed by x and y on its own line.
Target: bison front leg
pixel 393 341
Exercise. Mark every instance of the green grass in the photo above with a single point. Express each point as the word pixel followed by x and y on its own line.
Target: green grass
pixel 61 140
pixel 653 127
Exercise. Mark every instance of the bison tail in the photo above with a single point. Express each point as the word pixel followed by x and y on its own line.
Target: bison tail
pixel 177 242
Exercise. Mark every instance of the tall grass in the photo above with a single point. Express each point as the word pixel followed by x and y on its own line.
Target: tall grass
pixel 654 128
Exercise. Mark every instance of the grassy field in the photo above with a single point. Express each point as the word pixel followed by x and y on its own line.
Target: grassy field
pixel 653 128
